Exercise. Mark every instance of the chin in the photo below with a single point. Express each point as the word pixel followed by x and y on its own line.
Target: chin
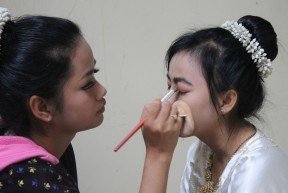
pixel 99 120
pixel 96 122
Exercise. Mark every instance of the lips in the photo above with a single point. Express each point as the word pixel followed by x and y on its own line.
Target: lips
pixel 103 108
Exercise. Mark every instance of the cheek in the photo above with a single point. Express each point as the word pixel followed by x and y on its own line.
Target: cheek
pixel 202 109
pixel 78 102
pixel 79 109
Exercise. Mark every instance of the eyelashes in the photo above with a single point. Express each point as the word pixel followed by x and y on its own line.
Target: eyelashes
pixel 90 84
pixel 96 70
pixel 179 93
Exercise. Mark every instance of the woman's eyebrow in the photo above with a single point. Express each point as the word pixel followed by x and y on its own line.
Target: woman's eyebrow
pixel 91 71
pixel 179 79
pixel 88 73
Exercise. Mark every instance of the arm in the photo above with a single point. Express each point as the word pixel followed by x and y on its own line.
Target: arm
pixel 155 173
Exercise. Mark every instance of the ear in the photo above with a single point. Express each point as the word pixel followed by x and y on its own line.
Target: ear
pixel 40 108
pixel 228 101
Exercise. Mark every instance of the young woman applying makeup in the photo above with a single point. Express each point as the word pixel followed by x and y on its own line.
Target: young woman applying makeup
pixel 48 94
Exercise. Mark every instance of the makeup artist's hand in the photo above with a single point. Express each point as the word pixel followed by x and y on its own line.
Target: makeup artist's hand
pixel 160 132
pixel 187 128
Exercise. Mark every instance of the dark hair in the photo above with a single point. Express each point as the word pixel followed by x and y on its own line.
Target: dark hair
pixel 226 64
pixel 34 60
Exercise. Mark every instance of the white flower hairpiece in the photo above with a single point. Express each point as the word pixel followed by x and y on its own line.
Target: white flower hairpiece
pixel 263 64
pixel 4 17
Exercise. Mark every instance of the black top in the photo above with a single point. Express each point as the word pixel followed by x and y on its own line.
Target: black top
pixel 37 175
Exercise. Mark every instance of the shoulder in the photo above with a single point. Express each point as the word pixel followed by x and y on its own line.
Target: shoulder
pixel 260 161
pixel 263 149
pixel 36 175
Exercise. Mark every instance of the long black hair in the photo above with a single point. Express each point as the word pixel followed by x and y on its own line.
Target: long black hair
pixel 34 60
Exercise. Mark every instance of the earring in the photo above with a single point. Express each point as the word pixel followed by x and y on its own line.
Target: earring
pixel 222 111
pixel 49 119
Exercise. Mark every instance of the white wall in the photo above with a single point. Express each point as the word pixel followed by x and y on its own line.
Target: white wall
pixel 129 39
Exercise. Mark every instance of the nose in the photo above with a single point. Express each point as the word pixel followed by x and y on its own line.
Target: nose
pixel 101 92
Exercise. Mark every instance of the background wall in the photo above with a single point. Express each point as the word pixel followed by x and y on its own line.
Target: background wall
pixel 129 39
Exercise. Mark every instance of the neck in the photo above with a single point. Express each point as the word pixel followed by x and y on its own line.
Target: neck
pixel 54 144
pixel 224 145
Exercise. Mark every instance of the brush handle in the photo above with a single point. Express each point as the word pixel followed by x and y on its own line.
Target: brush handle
pixel 141 123
pixel 132 132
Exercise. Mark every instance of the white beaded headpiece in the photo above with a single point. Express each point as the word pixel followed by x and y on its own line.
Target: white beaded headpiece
pixel 263 64
pixel 4 17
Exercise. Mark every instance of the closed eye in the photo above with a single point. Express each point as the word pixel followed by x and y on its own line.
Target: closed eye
pixel 181 93
pixel 88 85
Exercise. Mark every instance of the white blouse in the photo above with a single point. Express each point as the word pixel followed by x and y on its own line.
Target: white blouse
pixel 258 166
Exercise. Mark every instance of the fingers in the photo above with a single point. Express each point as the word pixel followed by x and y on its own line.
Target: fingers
pixel 151 110
pixel 188 125
pixel 165 110
pixel 175 115
pixel 161 130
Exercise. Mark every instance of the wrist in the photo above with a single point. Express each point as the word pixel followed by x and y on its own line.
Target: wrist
pixel 161 157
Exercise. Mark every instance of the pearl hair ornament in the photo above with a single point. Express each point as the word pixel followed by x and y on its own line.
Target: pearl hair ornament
pixel 4 17
pixel 263 64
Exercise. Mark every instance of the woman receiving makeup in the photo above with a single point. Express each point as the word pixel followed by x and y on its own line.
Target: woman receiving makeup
pixel 219 74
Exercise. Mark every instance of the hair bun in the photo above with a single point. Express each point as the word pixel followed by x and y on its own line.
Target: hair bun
pixel 264 33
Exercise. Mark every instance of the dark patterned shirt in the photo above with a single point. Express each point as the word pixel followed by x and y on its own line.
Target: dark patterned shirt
pixel 36 175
